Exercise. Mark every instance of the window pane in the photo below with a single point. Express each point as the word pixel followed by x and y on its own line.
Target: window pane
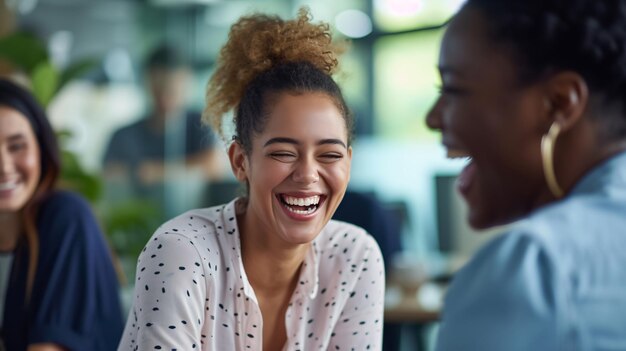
pixel 405 80
pixel 397 15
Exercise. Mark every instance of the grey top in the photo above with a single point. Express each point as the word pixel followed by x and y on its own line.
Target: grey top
pixel 6 259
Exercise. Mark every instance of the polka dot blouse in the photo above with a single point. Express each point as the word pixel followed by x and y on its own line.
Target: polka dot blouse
pixel 192 292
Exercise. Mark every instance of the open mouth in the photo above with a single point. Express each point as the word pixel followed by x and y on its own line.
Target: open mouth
pixel 6 186
pixel 467 175
pixel 300 205
pixel 458 153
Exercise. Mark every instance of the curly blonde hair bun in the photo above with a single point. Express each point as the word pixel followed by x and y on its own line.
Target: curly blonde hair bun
pixel 259 42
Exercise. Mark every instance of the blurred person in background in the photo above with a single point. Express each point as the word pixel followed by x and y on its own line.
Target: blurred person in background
pixel 533 92
pixel 271 270
pixel 58 287
pixel 169 139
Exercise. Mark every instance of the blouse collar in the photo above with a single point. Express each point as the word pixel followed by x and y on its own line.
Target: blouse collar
pixel 308 281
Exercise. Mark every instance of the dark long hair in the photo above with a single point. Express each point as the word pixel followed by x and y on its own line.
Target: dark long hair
pixel 16 97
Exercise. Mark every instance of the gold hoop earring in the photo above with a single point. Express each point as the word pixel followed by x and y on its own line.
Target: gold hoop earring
pixel 547 156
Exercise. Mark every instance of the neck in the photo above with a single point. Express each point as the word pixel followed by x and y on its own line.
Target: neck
pixel 578 153
pixel 11 227
pixel 271 266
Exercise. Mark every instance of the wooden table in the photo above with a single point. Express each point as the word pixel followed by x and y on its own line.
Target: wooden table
pixel 404 311
pixel 405 307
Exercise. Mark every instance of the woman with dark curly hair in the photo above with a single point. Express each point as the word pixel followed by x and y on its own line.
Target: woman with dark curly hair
pixel 270 270
pixel 533 93
pixel 58 288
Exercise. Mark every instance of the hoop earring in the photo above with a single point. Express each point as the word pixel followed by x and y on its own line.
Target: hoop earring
pixel 547 156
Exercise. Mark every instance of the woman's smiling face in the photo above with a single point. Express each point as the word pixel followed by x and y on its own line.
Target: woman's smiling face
pixel 20 161
pixel 485 113
pixel 298 169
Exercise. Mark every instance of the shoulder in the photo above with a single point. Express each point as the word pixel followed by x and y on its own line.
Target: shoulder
pixel 194 117
pixel 342 243
pixel 514 271
pixel 192 240
pixel 130 130
pixel 509 286
pixel 514 251
pixel 63 204
pixel 339 232
pixel 199 227
pixel 200 220
pixel 64 215
pixel 201 132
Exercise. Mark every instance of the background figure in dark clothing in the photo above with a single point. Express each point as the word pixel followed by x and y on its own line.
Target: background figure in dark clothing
pixel 169 142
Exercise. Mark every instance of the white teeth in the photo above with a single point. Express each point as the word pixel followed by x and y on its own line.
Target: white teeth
pixel 299 201
pixel 8 185
pixel 455 153
pixel 305 212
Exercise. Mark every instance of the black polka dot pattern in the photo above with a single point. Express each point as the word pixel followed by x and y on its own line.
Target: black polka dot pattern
pixel 193 294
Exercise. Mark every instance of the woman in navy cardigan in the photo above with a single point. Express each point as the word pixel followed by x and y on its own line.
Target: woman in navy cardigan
pixel 58 288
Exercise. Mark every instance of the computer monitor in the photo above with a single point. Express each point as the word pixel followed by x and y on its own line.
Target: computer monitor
pixel 455 235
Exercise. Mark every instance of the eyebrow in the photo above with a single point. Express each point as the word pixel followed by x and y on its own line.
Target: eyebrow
pixel 296 142
pixel 15 137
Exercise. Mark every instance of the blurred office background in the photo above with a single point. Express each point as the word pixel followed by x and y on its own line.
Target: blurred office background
pixel 389 78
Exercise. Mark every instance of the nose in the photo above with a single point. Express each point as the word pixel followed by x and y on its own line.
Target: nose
pixel 433 117
pixel 306 171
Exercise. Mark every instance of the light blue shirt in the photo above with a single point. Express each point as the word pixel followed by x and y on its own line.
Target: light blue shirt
pixel 555 281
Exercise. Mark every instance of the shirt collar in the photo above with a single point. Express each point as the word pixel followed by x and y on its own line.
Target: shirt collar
pixel 308 280
pixel 609 177
pixel 309 276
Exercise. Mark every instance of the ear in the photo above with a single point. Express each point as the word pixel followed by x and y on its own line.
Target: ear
pixel 567 96
pixel 349 160
pixel 238 161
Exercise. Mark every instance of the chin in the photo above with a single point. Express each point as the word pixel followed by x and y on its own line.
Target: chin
pixel 481 220
pixel 298 235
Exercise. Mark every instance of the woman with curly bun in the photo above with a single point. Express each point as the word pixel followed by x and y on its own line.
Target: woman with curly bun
pixel 271 270
pixel 534 93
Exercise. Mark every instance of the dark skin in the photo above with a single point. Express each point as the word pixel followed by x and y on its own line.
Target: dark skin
pixel 486 112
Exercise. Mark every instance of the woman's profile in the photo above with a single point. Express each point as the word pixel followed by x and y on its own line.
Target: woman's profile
pixel 533 93
pixel 270 270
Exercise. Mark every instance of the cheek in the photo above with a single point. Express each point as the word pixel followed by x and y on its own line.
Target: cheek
pixel 267 175
pixel 30 165
pixel 338 176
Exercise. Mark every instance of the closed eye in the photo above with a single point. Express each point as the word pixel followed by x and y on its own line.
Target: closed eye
pixel 17 147
pixel 283 156
pixel 450 90
pixel 332 156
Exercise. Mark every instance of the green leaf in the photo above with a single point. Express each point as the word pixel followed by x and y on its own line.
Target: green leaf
pixel 129 224
pixel 23 50
pixel 45 79
pixel 74 177
pixel 75 70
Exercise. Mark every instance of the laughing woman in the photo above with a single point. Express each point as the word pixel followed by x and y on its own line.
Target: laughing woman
pixel 270 271
pixel 533 91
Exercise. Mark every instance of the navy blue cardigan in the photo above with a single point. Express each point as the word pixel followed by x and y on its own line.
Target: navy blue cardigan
pixel 75 298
